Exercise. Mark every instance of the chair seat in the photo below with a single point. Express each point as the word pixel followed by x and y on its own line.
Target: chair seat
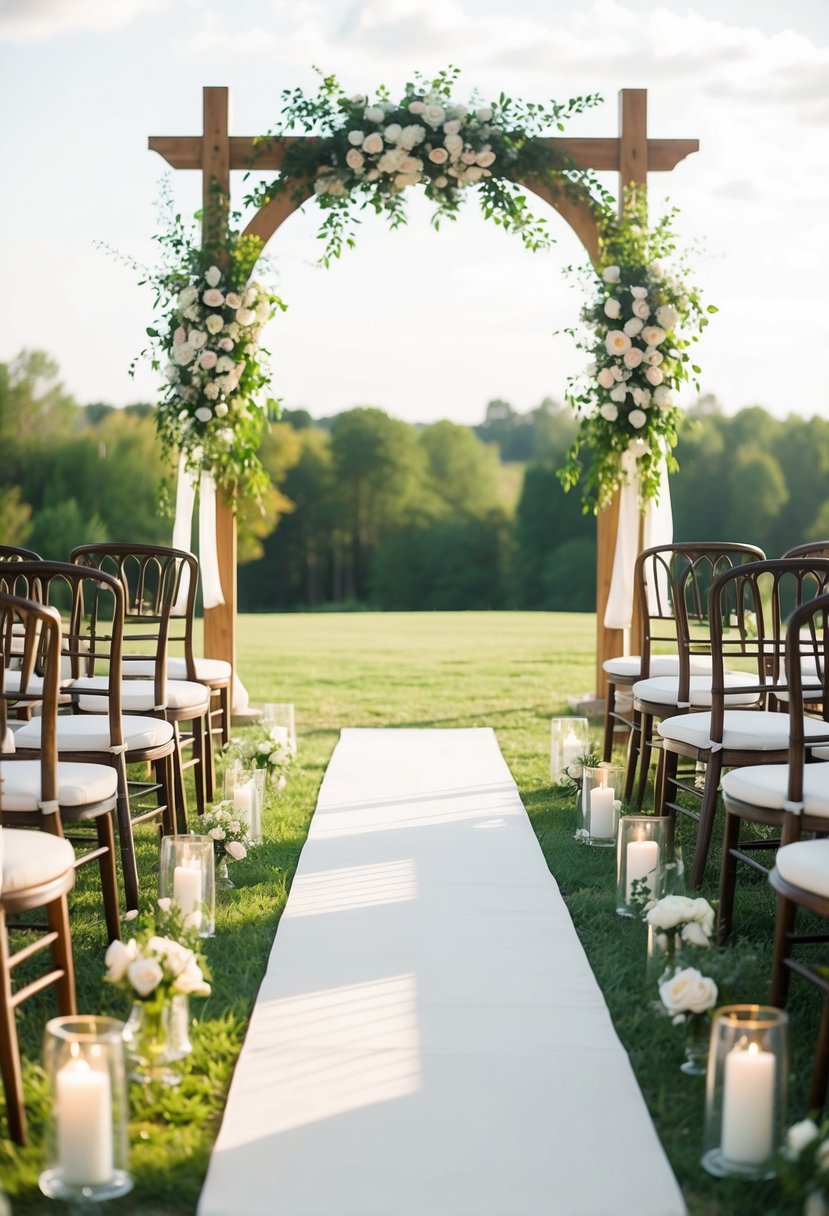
pixel 629 666
pixel 207 670
pixel 138 696
pixel 743 730
pixel 805 864
pixel 766 785
pixel 11 682
pixel 664 690
pixel 90 733
pixel 78 784
pixel 31 859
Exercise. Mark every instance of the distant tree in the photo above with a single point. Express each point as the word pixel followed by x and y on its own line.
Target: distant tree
pixel 547 520
pixel 462 471
pixel 15 517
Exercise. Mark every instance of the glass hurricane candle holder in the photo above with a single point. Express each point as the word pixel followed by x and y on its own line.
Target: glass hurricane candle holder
pixel 281 722
pixel 640 862
pixel 600 804
pixel 187 876
pixel 86 1142
pixel 569 739
pixel 240 790
pixel 746 1086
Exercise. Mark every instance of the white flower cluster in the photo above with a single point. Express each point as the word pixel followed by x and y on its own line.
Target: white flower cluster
pixel 693 918
pixel 635 375
pixel 445 144
pixel 160 961
pixel 228 832
pixel 687 991
pixel 215 331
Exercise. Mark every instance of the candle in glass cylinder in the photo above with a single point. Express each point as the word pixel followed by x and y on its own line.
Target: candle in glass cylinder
pixel 83 1115
pixel 642 860
pixel 602 800
pixel 187 893
pixel 242 799
pixel 748 1105
pixel 279 734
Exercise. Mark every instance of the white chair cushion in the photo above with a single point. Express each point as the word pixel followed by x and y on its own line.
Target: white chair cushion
pixel 11 683
pixel 138 696
pixel 743 730
pixel 663 690
pixel 206 669
pixel 629 667
pixel 78 784
pixel 766 785
pixel 805 864
pixel 90 733
pixel 33 858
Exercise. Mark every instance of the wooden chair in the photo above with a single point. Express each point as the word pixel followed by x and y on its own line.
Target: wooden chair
pixel 45 793
pixel 792 797
pixel 729 734
pixel 13 553
pixel 154 579
pixel 673 584
pixel 37 872
pixel 94 605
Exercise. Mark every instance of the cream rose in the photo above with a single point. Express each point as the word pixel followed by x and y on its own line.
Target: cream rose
pixel 355 138
pixel 213 298
pixel 800 1135
pixel 688 991
pixel 144 975
pixel 211 392
pixel 208 359
pixel 632 357
pixel 204 412
pixel 639 293
pixel 434 115
pixel 611 274
pixel 372 144
pixel 653 356
pixel 670 911
pixel 392 132
pixel 694 935
pixel 667 316
pixel 402 180
pixel 118 958
pixel 438 156
pixel 617 342
pixel 485 158
pixel 633 327
pixel 612 308
pixel 354 158
pixel 653 335
pixel 236 850
pixel 662 396
pixel 637 418
pixel 214 323
pixel 245 316
pixel 618 393
pixel 187 296
pixel 609 411
pixel 213 276
pixel 453 144
pixel 191 981
pixel 374 114
pixel 654 376
pixel 605 378
pixel 640 309
pixel 411 136
pixel 452 127
pixel 484 114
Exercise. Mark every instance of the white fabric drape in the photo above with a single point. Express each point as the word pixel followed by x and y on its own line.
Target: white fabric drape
pixel 212 594
pixel 182 528
pixel 658 529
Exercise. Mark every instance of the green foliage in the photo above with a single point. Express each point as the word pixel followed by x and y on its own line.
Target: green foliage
pixel 365 153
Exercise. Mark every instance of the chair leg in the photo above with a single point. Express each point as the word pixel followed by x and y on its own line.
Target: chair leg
pixel 610 708
pixel 783 928
pixel 707 811
pixel 9 1050
pixel 633 753
pixel 645 754
pixel 820 1072
pixel 125 837
pixel 109 876
pixel 226 698
pixel 210 761
pixel 201 734
pixel 57 913
pixel 728 877
pixel 178 776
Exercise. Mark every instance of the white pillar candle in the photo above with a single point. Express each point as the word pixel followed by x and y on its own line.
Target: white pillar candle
pixel 83 1118
pixel 601 812
pixel 242 799
pixel 279 734
pixel 748 1105
pixel 642 859
pixel 187 893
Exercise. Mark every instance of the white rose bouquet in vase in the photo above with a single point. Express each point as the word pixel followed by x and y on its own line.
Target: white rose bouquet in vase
pixel 677 925
pixel 160 965
pixel 687 996
pixel 803 1167
pixel 229 832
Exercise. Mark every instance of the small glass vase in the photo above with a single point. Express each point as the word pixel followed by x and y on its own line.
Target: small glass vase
pixel 697 1039
pixel 151 1044
pixel 223 880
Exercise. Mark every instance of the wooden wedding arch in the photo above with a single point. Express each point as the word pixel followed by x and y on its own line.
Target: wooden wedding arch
pixel 216 153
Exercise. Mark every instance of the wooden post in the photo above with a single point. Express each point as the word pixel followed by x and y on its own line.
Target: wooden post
pixel 633 169
pixel 220 622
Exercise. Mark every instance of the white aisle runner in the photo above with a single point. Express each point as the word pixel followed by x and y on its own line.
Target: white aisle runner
pixel 429 1039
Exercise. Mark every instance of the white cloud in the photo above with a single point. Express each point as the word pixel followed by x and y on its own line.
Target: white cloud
pixel 32 20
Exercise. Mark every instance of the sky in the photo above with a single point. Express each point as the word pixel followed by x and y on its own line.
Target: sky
pixel 424 325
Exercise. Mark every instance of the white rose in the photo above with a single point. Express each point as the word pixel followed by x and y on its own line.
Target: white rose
pixel 221 409
pixel 208 359
pixel 653 357
pixel 653 335
pixel 411 136
pixel 609 411
pixel 616 372
pixel 392 132
pixel 145 974
pixel 637 418
pixel 411 164
pixel 359 99
pixel 695 935
pixel 355 138
pixel 372 144
pixel 611 274
pixel 616 342
pixel 187 296
pixel 605 378
pixel 612 308
pixel 452 127
pixel 468 157
pixel 216 833
pixel 191 981
pixel 633 327
pixel 213 276
pixel 639 293
pixel 374 114
pixel 441 182
pixel 213 298
pixel 640 309
pixel 484 114
pixel 197 338
pixel 667 316
pixel 632 357
pixel 417 107
pixel 662 396
pixel 434 115
pixel 704 915
pixel 618 393
pixel 245 316
pixel 402 180
pixel 117 959
pixel 438 156
pixel 204 412
pixel 453 145
pixel 670 911
pixel 183 354
pixel 473 174
pixel 236 850
pixel 226 344
pixel 225 364
pixel 653 375
pixel 688 991
pixel 192 313
pixel 486 158
pixel 214 323
pixel 800 1135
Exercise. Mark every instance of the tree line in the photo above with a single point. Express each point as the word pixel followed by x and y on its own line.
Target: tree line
pixel 368 511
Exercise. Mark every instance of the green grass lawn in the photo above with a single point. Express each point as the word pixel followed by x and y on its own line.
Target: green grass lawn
pixel 511 671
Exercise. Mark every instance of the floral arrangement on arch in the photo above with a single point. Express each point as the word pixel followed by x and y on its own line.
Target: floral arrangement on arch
pixel 640 322
pixel 368 151
pixel 214 406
